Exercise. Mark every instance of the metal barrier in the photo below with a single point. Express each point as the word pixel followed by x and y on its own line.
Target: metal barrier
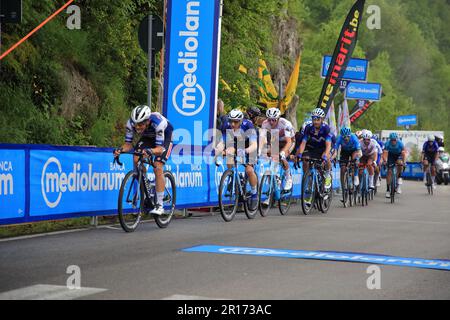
pixel 43 182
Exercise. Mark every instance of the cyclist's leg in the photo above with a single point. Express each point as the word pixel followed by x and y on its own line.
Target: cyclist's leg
pixel 371 170
pixel 425 164
pixel 433 168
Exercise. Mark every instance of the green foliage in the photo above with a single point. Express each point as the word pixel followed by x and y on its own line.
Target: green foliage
pixel 410 56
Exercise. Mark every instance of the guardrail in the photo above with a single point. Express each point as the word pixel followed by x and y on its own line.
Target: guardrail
pixel 44 182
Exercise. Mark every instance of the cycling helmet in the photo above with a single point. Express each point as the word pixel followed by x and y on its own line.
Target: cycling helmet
pixel 431 138
pixel 318 113
pixel 254 112
pixel 346 132
pixel 439 137
pixel 393 136
pixel 236 115
pixel 366 135
pixel 441 149
pixel 273 113
pixel 376 137
pixel 140 114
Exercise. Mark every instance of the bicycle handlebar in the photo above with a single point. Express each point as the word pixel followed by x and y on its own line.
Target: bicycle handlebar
pixel 141 155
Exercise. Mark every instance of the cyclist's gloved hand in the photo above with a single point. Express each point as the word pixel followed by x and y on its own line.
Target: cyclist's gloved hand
pixel 324 158
pixel 117 152
pixel 299 157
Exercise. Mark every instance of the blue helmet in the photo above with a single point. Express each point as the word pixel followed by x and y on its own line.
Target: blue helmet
pixel 393 136
pixel 345 132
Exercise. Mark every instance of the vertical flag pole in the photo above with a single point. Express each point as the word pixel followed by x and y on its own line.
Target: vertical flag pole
pixel 150 62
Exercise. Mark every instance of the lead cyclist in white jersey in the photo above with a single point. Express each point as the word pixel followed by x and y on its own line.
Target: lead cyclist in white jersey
pixel 282 140
pixel 370 149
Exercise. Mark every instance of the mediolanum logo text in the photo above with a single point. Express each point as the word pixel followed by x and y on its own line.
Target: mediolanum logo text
pixel 189 97
pixel 55 182
pixel 6 179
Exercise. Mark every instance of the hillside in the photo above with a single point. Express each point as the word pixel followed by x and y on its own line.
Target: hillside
pixel 76 87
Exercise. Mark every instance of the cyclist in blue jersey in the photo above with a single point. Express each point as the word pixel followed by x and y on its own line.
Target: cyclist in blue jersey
pixel 316 144
pixel 429 156
pixel 244 131
pixel 394 153
pixel 155 133
pixel 350 149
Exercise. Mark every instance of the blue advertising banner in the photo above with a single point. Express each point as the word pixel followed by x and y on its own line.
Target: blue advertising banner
pixel 191 65
pixel 73 182
pixel 12 184
pixel 357 69
pixel 363 91
pixel 408 120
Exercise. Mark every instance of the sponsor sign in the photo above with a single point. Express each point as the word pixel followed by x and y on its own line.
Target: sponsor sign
pixel 363 91
pixel 356 70
pixel 12 184
pixel 409 120
pixel 191 65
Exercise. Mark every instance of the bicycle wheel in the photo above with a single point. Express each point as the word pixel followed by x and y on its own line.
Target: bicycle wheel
pixel 393 185
pixel 429 183
pixel 130 202
pixel 284 204
pixel 265 194
pixel 170 196
pixel 228 195
pixel 326 199
pixel 345 190
pixel 249 211
pixel 363 189
pixel 308 193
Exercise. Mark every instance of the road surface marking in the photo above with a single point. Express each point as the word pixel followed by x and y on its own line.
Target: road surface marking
pixel 48 292
pixel 328 256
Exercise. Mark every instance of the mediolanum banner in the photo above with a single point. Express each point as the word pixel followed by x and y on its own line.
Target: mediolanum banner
pixel 191 65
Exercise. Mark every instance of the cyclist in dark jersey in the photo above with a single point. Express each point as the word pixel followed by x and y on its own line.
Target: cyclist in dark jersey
pixel 429 156
pixel 155 139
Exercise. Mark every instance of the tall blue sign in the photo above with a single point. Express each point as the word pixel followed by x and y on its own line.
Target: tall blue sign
pixel 191 66
pixel 357 69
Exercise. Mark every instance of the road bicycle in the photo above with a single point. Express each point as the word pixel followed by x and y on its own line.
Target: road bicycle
pixel 349 191
pixel 137 195
pixel 271 190
pixel 314 193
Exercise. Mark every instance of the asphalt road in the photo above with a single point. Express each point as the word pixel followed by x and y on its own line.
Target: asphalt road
pixel 149 263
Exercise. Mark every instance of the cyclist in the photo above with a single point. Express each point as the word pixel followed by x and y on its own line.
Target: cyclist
pixel 394 153
pixel 317 144
pixel 429 156
pixel 155 139
pixel 369 148
pixel 440 140
pixel 244 131
pixel 298 139
pixel 378 164
pixel 255 116
pixel 282 131
pixel 350 148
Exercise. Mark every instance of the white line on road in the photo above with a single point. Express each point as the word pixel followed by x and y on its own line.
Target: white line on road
pixel 48 292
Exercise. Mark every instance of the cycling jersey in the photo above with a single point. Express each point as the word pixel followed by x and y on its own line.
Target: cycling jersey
pixel 394 149
pixel 370 149
pixel 285 129
pixel 157 131
pixel 352 145
pixel 316 140
pixel 430 148
pixel 246 131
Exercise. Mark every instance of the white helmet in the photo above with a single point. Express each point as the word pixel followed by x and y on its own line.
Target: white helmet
pixel 440 137
pixel 318 112
pixel 441 149
pixel 140 114
pixel 431 138
pixel 236 115
pixel 366 135
pixel 273 113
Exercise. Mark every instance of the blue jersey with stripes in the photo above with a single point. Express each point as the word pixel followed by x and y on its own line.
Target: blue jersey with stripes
pixel 316 139
pixel 247 131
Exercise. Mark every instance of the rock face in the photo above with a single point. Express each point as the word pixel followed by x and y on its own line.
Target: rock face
pixel 80 95
pixel 287 46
